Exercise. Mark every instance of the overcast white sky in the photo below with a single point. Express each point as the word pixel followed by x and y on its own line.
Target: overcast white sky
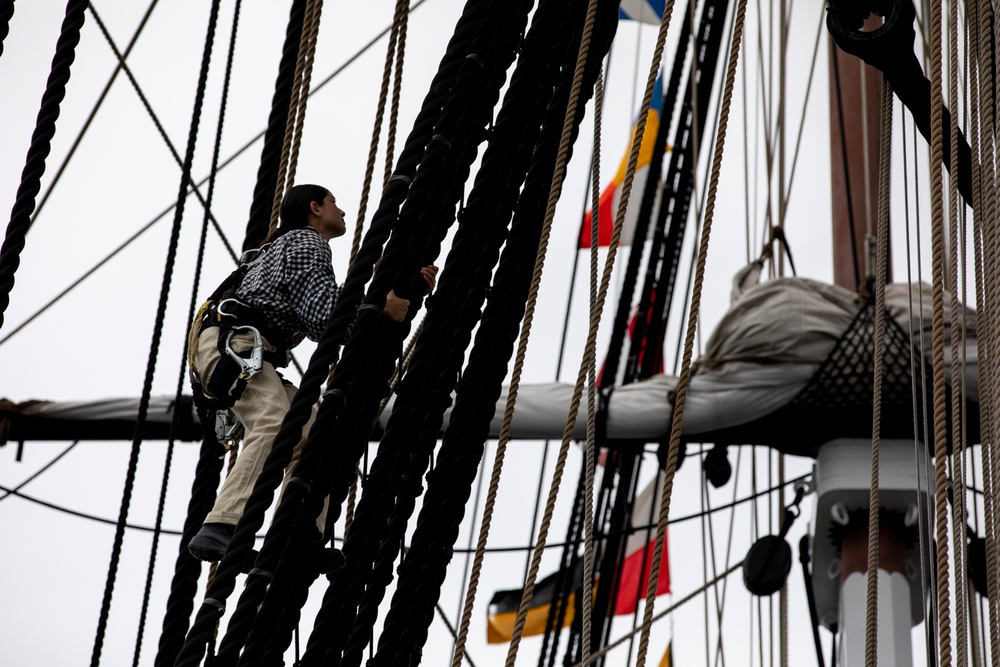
pixel 94 343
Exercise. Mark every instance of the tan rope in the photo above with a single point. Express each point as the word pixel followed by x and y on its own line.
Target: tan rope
pixel 402 8
pixel 591 466
pixel 938 283
pixel 307 68
pixel 352 499
pixel 397 85
pixel 955 209
pixel 695 309
pixel 881 259
pixel 986 334
pixel 983 104
pixel 306 42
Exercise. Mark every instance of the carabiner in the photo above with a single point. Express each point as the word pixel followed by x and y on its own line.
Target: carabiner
pixel 253 365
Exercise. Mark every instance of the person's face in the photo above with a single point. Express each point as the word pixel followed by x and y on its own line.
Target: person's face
pixel 327 218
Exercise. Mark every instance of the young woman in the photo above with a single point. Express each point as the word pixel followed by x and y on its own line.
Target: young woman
pixel 288 294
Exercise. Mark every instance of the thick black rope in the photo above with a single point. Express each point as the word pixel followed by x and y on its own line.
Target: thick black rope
pixel 489 207
pixel 425 391
pixel 6 12
pixel 187 569
pixel 157 331
pixel 274 136
pixel 382 225
pixel 325 354
pixel 444 504
pixel 41 143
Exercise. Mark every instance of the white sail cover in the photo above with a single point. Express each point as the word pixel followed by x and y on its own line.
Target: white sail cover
pixel 760 357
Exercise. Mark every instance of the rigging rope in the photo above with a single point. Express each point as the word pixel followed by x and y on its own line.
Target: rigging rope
pixel 938 284
pixel 984 220
pixel 590 352
pixel 41 142
pixel 184 585
pixel 157 332
pixel 267 173
pixel 402 11
pixel 684 379
pixel 882 251
pixel 296 116
pixel 956 208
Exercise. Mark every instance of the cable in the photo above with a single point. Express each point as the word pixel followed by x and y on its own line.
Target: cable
pixel 38 472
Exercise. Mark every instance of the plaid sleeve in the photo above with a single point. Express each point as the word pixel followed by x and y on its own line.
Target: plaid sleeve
pixel 312 287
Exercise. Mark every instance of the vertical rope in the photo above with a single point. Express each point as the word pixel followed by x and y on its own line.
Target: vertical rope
pixel 310 59
pixel 695 308
pixel 938 283
pixel 885 153
pixel 157 331
pixel 984 199
pixel 588 505
pixel 402 9
pixel 41 142
pixel 296 107
pixel 397 85
pixel 956 208
pixel 187 569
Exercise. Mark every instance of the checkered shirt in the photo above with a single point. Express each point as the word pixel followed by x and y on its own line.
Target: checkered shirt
pixel 293 285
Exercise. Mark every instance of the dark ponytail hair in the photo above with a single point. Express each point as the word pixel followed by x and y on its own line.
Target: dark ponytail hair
pixel 295 208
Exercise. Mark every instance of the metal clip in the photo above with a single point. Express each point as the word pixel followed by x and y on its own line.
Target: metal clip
pixel 253 365
pixel 226 427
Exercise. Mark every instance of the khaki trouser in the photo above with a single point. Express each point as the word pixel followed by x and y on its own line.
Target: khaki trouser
pixel 260 409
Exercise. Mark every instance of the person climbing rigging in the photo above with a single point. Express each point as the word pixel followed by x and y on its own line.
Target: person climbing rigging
pixel 287 294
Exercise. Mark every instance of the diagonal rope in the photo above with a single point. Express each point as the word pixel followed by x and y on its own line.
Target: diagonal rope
pixel 93 112
pixel 41 143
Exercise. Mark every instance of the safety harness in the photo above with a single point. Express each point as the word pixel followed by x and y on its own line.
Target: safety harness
pixel 226 384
